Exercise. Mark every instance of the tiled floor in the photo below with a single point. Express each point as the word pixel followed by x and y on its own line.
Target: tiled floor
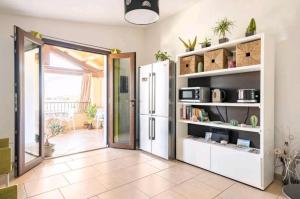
pixel 114 173
pixel 78 141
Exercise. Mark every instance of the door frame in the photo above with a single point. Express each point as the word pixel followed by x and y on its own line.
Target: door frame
pixel 19 40
pixel 91 49
pixel 132 141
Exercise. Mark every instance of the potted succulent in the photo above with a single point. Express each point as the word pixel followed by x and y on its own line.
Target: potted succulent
pixel 223 26
pixel 54 128
pixel 251 29
pixel 189 45
pixel 206 42
pixel 161 56
pixel 91 111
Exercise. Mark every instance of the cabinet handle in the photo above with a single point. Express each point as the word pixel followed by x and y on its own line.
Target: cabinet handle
pixel 149 92
pixel 149 128
pixel 154 92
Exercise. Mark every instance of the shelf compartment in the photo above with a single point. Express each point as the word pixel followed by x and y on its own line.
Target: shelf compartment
pixel 227 71
pixel 222 104
pixel 223 125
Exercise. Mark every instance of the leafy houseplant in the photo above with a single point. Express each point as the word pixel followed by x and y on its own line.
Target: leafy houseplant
pixel 223 26
pixel 54 128
pixel 91 111
pixel 189 45
pixel 206 42
pixel 161 56
pixel 251 29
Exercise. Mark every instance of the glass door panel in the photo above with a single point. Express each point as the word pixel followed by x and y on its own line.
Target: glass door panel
pixel 122 99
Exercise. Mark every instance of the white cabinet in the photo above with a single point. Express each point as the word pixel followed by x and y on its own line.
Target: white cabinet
pixel 196 153
pixel 145 136
pixel 160 136
pixel 238 165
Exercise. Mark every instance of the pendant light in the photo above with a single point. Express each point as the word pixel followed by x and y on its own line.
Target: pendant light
pixel 141 12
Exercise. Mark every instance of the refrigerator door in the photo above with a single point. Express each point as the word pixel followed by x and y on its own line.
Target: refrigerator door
pixel 160 137
pixel 145 89
pixel 145 132
pixel 160 102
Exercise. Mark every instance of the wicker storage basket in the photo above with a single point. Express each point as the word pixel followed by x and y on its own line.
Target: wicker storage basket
pixel 189 64
pixel 248 53
pixel 215 60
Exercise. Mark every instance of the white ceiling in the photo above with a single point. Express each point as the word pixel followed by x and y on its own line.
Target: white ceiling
pixel 110 12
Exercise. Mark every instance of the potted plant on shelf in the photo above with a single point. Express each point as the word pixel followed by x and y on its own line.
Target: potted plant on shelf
pixel 161 56
pixel 189 45
pixel 206 42
pixel 251 29
pixel 91 111
pixel 53 129
pixel 223 26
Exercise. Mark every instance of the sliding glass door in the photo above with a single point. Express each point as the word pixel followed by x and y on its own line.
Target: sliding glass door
pixel 28 101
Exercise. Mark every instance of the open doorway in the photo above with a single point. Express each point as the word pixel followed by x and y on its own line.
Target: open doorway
pixel 74 100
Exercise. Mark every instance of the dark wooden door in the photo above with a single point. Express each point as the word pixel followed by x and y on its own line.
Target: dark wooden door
pixel 122 100
pixel 28 101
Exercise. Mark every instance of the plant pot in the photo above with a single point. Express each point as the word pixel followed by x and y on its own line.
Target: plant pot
pixel 247 34
pixel 205 45
pixel 48 149
pixel 90 126
pixel 223 40
pixel 189 49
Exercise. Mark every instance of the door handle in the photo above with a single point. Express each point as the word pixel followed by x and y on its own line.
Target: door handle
pixel 149 93
pixel 153 128
pixel 149 128
pixel 153 92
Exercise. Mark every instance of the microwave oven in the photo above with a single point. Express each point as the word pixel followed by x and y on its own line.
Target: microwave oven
pixel 194 94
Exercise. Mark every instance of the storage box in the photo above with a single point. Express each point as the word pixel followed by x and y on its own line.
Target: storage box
pixel 189 64
pixel 216 60
pixel 248 53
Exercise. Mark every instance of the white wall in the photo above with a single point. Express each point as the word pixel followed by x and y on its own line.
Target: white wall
pixel 279 18
pixel 124 38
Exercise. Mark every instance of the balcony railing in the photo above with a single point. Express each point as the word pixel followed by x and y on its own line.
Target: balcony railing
pixel 65 107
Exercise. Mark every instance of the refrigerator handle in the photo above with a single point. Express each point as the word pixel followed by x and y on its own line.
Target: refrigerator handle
pixel 153 128
pixel 149 130
pixel 154 92
pixel 149 92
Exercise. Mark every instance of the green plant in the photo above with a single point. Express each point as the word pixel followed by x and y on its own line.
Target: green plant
pixel 252 26
pixel 206 41
pixel 223 26
pixel 91 111
pixel 55 127
pixel 161 56
pixel 189 44
pixel 253 121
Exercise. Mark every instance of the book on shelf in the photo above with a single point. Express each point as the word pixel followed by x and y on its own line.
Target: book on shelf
pixel 193 113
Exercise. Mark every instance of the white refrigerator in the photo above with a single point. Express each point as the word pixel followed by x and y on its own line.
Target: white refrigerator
pixel 157 109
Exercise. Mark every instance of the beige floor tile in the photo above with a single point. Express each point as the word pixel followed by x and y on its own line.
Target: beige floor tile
pixel 21 191
pixel 30 175
pixel 82 190
pixel 138 171
pixel 83 162
pixel 124 192
pixel 45 171
pixel 193 189
pixel 43 185
pixel 239 190
pixel 275 187
pixel 176 174
pixel 112 166
pixel 113 180
pixel 81 174
pixel 152 185
pixel 55 194
pixel 168 195
pixel 216 181
pixel 58 160
pixel 192 169
pixel 161 164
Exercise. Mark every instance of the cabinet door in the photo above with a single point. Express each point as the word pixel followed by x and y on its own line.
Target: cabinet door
pixel 145 89
pixel 196 153
pixel 160 89
pixel 238 165
pixel 160 137
pixel 145 133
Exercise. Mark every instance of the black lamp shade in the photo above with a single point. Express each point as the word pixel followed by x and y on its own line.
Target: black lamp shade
pixel 141 12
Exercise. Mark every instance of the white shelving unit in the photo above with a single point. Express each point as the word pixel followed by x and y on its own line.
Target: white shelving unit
pixel 255 169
